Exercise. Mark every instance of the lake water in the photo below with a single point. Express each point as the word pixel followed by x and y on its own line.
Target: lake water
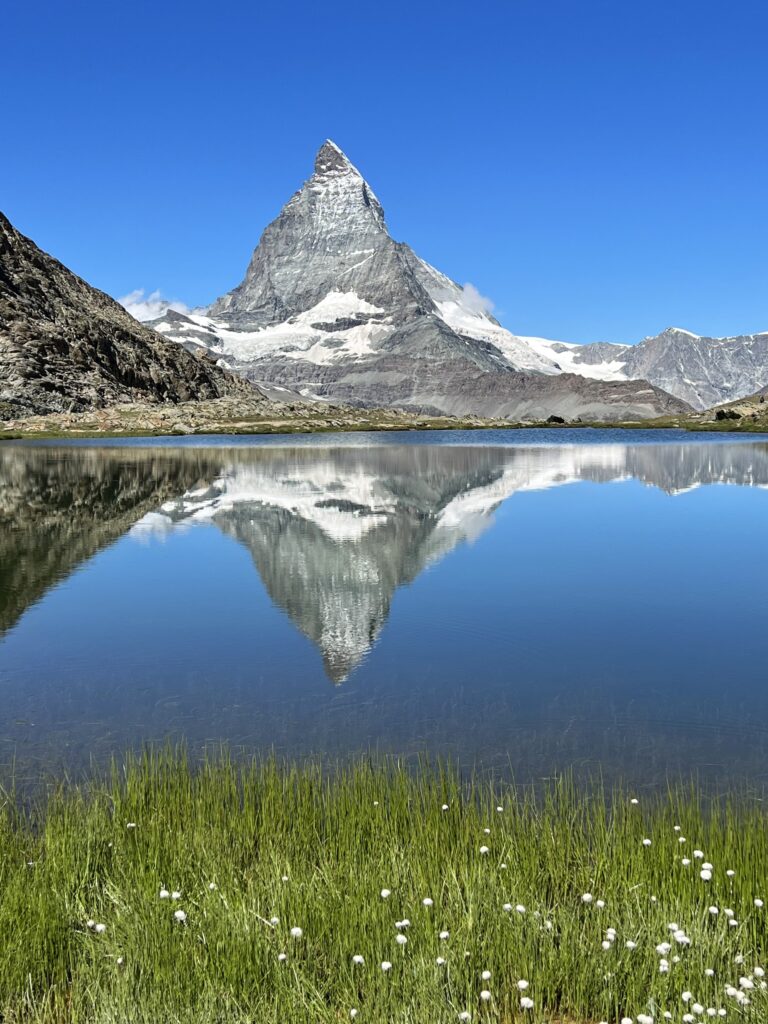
pixel 523 601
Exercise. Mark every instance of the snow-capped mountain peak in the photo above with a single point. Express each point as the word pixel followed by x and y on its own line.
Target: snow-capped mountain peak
pixel 332 306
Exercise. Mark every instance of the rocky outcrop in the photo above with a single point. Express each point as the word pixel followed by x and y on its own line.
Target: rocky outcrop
pixel 67 346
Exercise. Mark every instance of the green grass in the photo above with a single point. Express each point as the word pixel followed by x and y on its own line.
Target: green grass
pixel 248 842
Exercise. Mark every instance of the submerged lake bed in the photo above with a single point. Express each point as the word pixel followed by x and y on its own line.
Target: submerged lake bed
pixel 521 601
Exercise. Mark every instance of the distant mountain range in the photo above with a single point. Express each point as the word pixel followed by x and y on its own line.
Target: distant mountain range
pixel 65 346
pixel 331 305
pixel 702 371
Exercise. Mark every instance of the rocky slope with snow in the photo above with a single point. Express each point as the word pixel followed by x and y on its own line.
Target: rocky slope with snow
pixel 332 306
pixel 67 346
pixel 701 371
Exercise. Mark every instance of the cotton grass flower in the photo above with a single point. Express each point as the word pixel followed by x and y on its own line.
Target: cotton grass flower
pixel 282 957
pixel 486 975
pixel 401 939
pixel 385 894
pixel 485 995
pixel 175 895
pixel 180 916
pixel 352 1013
pixel 131 824
pixel 164 894
pixel 100 929
pixel 445 935
pixel 526 1003
pixel 522 984
pixel 296 932
pixel 440 961
pixel 587 897
pixel 358 959
pixel 386 966
pixel 427 902
pixel 484 849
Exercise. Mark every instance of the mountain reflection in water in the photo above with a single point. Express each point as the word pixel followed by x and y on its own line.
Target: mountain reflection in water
pixel 334 533
pixel 603 626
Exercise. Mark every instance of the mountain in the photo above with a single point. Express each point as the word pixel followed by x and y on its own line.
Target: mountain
pixel 701 371
pixel 331 305
pixel 65 346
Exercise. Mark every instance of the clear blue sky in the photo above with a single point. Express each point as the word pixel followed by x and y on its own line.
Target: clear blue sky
pixel 599 169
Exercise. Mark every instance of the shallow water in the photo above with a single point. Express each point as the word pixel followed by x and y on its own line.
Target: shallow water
pixel 519 600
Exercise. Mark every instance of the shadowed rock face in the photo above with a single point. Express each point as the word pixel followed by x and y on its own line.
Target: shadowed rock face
pixel 65 346
pixel 57 512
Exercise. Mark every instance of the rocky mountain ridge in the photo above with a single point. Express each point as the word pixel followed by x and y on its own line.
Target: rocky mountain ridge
pixel 65 346
pixel 701 371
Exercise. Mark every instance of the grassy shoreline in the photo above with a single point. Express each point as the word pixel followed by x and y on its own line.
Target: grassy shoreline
pixel 708 427
pixel 257 849
pixel 744 426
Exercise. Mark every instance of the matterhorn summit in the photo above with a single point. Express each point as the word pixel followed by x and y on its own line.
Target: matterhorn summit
pixel 332 307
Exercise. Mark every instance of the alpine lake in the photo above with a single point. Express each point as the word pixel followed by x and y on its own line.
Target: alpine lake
pixel 521 602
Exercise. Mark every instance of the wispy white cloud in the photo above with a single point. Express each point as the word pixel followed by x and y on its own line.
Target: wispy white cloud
pixel 476 302
pixel 149 307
